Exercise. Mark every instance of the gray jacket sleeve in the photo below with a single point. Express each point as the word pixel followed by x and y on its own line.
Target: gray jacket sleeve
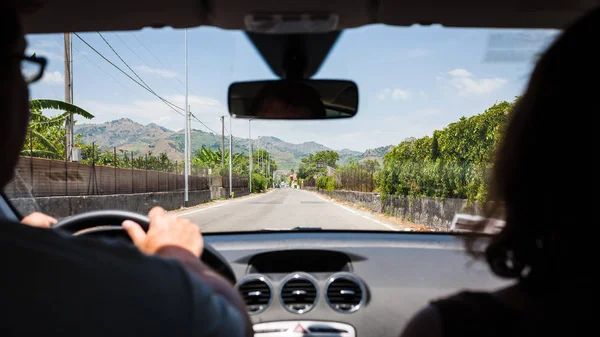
pixel 212 315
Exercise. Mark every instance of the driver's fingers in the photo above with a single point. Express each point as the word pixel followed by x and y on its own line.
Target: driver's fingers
pixel 160 220
pixel 135 231
pixel 156 211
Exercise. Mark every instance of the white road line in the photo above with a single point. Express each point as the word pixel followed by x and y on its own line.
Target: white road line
pixel 201 209
pixel 357 213
pixel 225 202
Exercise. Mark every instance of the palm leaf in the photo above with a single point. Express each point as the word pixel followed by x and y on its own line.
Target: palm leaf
pixel 40 104
pixel 47 143
pixel 40 153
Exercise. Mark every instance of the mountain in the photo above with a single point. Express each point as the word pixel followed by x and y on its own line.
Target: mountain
pixel 126 134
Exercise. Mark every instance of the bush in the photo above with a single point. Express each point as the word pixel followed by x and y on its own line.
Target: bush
pixel 259 183
pixel 326 183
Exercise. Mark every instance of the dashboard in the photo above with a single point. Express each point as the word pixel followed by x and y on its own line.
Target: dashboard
pixel 333 283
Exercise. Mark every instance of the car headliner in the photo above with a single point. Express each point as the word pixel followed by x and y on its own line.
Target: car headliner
pixel 57 16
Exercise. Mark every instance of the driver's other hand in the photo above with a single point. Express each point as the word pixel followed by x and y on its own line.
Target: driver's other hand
pixel 37 219
pixel 165 230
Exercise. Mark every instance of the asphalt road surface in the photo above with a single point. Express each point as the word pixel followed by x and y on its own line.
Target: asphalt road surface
pixel 282 208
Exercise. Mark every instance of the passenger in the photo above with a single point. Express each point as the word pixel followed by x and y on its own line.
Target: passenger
pixel 545 186
pixel 57 285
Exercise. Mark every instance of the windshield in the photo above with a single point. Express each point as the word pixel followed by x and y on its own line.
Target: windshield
pixel 432 105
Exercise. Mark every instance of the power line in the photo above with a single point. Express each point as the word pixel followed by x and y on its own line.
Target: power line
pixel 136 75
pixel 146 63
pixel 156 58
pixel 145 86
pixel 199 121
pixel 99 68
pixel 124 73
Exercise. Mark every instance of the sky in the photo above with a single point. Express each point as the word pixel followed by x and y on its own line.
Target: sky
pixel 411 80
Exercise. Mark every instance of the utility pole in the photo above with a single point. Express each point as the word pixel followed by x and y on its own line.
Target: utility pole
pixel 250 156
pixel 230 161
pixel 187 127
pixel 69 96
pixel 222 142
pixel 259 165
pixel 189 117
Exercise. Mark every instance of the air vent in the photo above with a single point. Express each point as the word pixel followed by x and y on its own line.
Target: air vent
pixel 257 293
pixel 345 293
pixel 298 293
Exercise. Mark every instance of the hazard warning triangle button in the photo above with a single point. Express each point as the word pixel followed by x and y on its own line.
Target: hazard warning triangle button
pixel 300 329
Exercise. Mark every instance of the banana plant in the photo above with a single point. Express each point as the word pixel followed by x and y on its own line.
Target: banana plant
pixel 46 135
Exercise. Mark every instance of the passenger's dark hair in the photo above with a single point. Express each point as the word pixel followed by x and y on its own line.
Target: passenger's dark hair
pixel 538 181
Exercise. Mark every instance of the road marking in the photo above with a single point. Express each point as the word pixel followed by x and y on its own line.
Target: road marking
pixel 225 202
pixel 201 209
pixel 357 213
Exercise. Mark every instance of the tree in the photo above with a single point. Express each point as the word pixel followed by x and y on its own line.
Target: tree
pixel 308 165
pixel 435 147
pixel 46 135
pixel 454 163
pixel 263 163
pixel 211 159
pixel 328 157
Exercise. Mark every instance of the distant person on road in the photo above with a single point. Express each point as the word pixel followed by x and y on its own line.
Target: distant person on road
pixel 58 285
pixel 545 245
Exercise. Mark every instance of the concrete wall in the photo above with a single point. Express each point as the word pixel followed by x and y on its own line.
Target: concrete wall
pixel 222 192
pixel 60 207
pixel 437 214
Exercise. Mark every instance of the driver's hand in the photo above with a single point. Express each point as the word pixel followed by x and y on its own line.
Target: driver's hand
pixel 37 219
pixel 165 230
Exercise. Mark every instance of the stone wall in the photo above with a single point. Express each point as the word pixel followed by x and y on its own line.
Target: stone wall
pixel 60 207
pixel 437 214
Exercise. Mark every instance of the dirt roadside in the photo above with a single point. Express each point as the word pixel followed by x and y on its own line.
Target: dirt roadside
pixel 397 222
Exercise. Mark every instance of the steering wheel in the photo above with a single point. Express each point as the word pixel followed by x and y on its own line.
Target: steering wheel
pixel 107 223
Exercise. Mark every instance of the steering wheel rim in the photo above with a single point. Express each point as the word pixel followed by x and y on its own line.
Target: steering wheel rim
pixel 86 223
pixel 87 220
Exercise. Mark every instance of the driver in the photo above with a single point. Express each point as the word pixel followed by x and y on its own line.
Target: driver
pixel 288 100
pixel 53 284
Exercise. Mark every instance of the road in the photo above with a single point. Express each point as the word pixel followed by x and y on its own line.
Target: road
pixel 282 208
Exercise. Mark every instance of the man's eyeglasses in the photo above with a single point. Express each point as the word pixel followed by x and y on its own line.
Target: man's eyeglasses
pixel 32 67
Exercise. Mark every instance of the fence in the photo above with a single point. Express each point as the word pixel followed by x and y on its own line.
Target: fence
pixel 237 182
pixel 310 182
pixel 357 178
pixel 48 177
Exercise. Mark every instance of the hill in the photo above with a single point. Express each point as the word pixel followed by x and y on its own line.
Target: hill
pixel 126 134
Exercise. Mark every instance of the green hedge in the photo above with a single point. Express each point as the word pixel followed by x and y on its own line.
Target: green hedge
pixel 326 183
pixel 454 162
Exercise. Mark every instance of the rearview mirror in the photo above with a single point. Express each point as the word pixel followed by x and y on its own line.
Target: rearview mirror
pixel 291 99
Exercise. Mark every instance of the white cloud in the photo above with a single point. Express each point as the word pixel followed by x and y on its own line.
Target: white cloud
pixel 47 44
pixel 399 94
pixel 459 73
pixel 395 94
pixel 161 72
pixel 155 111
pixel 467 84
pixel 53 77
